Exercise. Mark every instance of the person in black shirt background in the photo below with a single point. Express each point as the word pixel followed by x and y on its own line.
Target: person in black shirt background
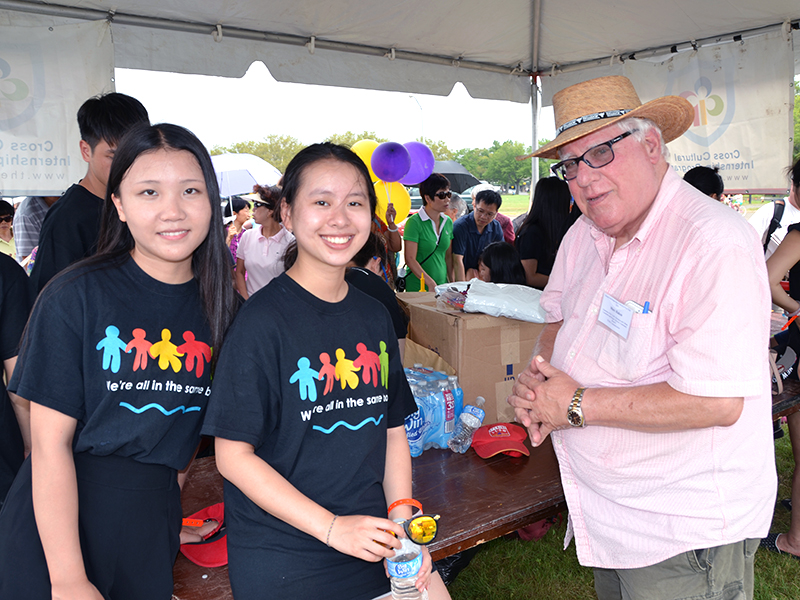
pixel 367 272
pixel 540 234
pixel 71 227
pixel 16 300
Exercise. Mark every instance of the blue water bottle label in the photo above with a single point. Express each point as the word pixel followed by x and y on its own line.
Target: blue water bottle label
pixel 474 410
pixel 402 570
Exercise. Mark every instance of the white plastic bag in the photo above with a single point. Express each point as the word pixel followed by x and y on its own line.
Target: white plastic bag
pixel 504 300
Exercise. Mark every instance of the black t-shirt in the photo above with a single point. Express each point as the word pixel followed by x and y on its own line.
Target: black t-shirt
pixel 313 386
pixel 69 233
pixel 794 272
pixel 124 354
pixel 16 299
pixel 372 285
pixel 531 245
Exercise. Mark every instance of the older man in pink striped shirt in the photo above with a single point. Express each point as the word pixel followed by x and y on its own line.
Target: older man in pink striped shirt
pixel 655 389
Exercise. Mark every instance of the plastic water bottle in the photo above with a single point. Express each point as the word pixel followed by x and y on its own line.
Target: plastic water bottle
pixel 471 418
pixel 433 414
pixel 415 425
pixel 458 399
pixel 403 569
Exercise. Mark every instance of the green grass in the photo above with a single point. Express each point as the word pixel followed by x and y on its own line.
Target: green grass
pixel 518 570
pixel 514 204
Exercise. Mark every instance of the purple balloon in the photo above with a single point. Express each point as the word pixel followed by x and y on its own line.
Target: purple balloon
pixel 391 161
pixel 421 163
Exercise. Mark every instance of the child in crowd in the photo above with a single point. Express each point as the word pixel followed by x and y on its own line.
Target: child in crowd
pixel 499 263
pixel 116 364
pixel 308 408
pixel 707 180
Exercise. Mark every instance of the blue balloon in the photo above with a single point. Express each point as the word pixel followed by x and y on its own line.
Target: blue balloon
pixel 391 161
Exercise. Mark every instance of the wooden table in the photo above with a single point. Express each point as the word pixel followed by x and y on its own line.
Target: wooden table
pixel 478 500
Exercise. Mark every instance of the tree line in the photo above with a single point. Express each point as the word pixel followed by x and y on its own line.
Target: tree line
pixel 497 164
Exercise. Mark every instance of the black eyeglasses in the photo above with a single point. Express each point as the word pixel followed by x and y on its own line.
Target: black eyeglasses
pixel 6 219
pixel 596 157
pixel 443 195
pixel 257 204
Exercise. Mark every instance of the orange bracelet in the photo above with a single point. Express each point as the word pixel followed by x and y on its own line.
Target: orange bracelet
pixel 403 501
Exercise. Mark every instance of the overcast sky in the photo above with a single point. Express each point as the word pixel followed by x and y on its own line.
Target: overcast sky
pixel 222 111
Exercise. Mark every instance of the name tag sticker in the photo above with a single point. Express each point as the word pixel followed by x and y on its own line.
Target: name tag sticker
pixel 616 316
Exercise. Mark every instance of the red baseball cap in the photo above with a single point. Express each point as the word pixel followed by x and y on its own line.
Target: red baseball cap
pixel 500 437
pixel 213 550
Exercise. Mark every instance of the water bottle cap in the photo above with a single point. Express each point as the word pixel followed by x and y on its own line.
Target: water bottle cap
pixel 480 401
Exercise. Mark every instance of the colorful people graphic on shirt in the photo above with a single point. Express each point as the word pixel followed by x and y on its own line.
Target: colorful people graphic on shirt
pixel 305 376
pixel 111 346
pixel 142 347
pixel 166 352
pixel 368 362
pixel 327 372
pixel 195 350
pixel 346 372
pixel 384 359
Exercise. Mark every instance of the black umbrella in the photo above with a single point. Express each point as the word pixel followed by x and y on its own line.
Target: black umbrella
pixel 460 179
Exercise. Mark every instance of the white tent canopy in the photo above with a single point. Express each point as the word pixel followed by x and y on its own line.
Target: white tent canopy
pixel 422 46
pixel 413 46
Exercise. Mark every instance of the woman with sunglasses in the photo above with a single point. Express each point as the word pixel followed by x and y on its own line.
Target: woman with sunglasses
pixel 7 245
pixel 260 251
pixel 428 237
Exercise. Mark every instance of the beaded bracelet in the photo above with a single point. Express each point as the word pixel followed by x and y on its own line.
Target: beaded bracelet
pixel 328 537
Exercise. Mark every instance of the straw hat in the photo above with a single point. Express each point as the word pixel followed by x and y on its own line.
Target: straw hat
pixel 586 107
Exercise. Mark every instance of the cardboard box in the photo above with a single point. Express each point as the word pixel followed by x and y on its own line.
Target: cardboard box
pixel 486 352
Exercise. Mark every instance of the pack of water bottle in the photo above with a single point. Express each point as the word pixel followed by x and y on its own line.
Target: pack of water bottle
pixel 439 401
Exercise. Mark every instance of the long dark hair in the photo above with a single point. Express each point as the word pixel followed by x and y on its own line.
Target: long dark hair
pixel 211 259
pixel 503 262
pixel 549 211
pixel 293 178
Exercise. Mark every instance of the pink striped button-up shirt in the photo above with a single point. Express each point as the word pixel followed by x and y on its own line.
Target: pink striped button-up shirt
pixel 636 498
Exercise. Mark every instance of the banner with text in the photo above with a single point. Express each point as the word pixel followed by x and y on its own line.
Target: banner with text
pixel 46 73
pixel 743 95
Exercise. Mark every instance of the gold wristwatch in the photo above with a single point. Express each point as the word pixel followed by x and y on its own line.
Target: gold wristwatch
pixel 574 412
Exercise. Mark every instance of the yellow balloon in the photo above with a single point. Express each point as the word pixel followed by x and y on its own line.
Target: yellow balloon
pixel 364 150
pixel 397 194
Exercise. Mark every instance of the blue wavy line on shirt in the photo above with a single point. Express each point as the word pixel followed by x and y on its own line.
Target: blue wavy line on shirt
pixel 166 412
pixel 346 424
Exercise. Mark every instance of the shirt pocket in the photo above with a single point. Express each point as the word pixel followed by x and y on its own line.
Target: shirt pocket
pixel 629 359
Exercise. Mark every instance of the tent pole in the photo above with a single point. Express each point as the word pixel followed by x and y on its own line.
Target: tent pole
pixel 535 30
